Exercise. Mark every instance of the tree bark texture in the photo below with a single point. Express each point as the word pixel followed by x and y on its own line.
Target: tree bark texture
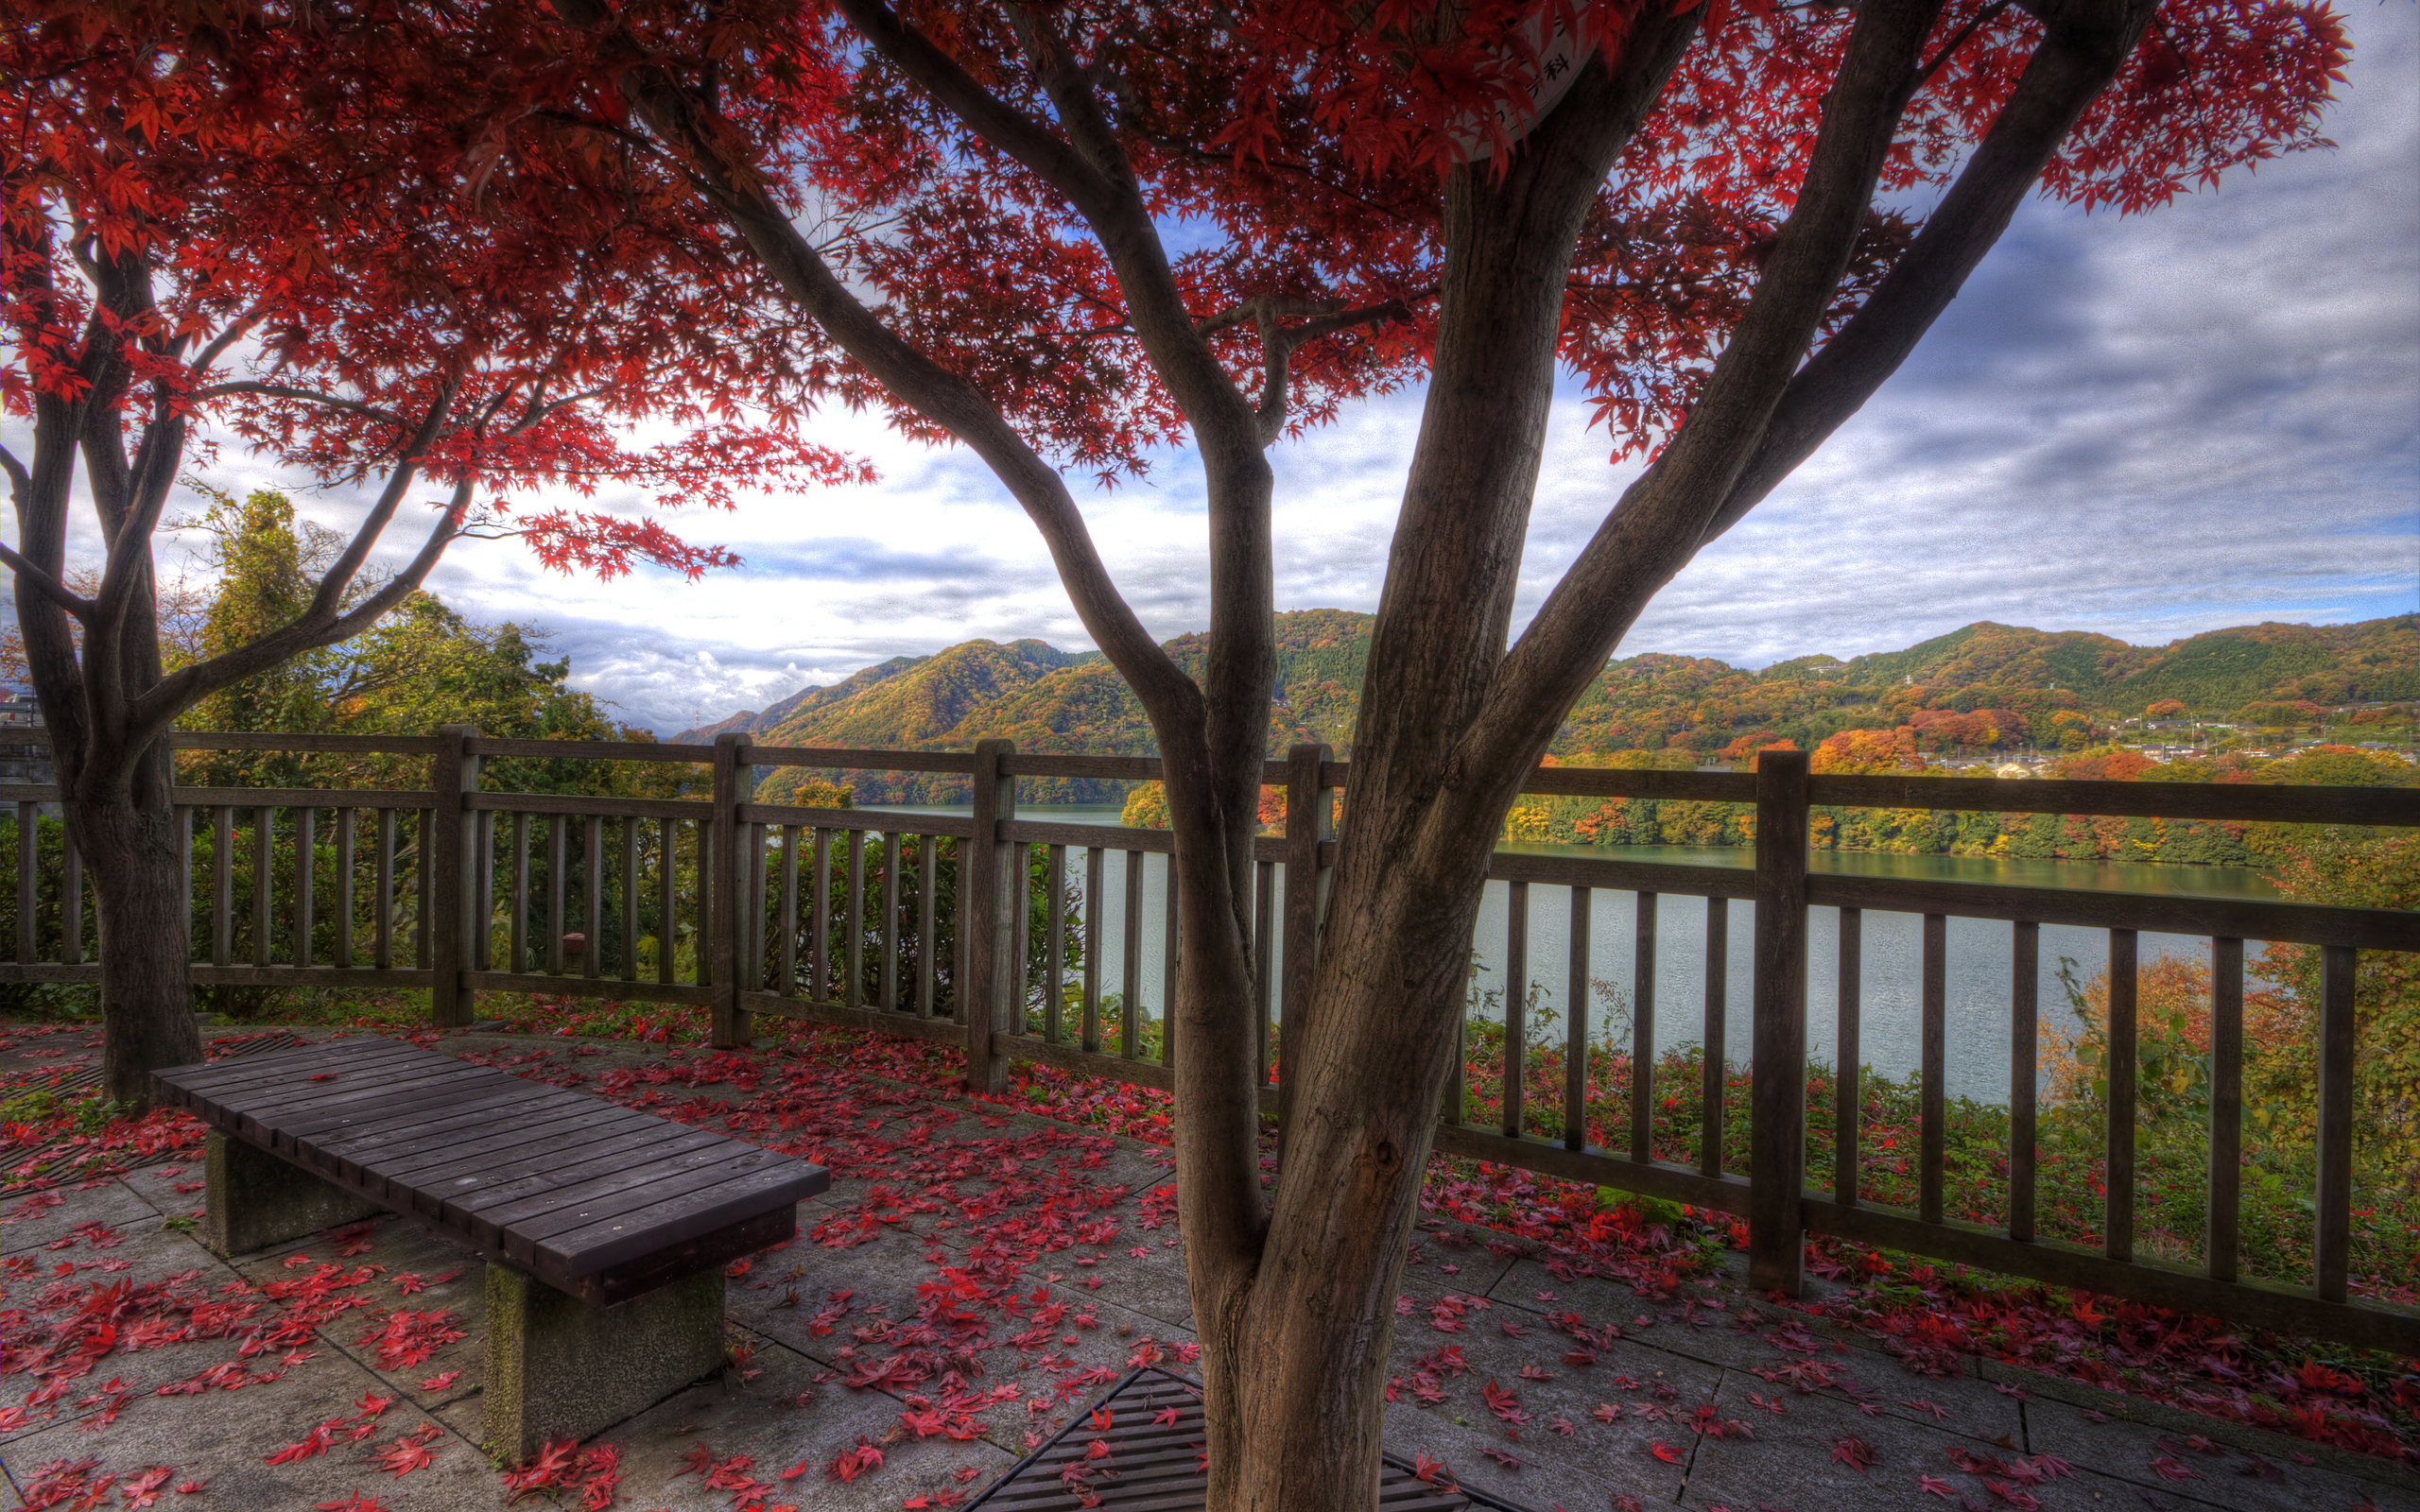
pixel 146 988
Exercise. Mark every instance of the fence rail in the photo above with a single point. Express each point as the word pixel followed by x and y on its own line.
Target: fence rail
pixel 990 931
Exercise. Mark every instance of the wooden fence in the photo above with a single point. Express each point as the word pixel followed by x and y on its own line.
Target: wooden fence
pixel 463 890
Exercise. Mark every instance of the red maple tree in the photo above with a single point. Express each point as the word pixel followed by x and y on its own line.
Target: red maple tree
pixel 260 233
pixel 1061 234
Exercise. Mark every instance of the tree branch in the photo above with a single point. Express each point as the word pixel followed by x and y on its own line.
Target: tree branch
pixel 340 575
pixel 208 356
pixel 1278 343
pixel 306 395
pixel 2080 54
pixel 1019 136
pixel 944 396
pixel 1655 529
pixel 28 573
pixel 154 712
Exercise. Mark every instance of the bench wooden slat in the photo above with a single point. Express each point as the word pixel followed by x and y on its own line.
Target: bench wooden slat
pixel 401 1141
pixel 297 1096
pixel 427 1174
pixel 613 1151
pixel 596 1199
pixel 401 1097
pixel 281 1067
pixel 558 1129
pixel 279 1126
pixel 629 1234
pixel 531 1199
pixel 546 1212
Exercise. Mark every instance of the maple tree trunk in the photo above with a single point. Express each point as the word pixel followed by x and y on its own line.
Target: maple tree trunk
pixel 1298 1363
pixel 146 983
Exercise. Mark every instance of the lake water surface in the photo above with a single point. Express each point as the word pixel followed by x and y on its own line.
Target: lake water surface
pixel 1890 957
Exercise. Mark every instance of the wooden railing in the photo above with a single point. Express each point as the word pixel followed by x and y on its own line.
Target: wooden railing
pixel 464 890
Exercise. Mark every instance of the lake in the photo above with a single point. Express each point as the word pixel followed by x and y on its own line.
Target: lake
pixel 1891 954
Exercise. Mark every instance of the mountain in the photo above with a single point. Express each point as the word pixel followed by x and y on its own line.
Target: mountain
pixel 1986 686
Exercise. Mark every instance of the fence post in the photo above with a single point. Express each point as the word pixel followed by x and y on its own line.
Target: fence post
pixel 734 784
pixel 452 840
pixel 994 956
pixel 1777 1125
pixel 1308 821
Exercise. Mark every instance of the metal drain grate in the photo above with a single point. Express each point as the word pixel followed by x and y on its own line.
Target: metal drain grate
pixel 1151 1461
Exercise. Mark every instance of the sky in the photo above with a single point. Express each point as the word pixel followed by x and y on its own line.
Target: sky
pixel 2147 427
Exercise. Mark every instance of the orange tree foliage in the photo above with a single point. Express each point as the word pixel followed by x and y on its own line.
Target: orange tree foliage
pixel 2363 873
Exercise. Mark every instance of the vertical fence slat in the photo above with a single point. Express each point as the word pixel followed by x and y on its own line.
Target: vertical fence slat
pixel 1095 884
pixel 222 885
pixel 1168 962
pixel 819 940
pixel 1777 1029
pixel 70 900
pixel 752 913
pixel 517 940
pixel 928 890
pixel 1517 1002
pixel 557 863
pixel 1310 822
pixel 726 893
pixel 2331 1238
pixel 787 970
pixel 711 886
pixel 889 977
pixel 1642 1032
pixel 1054 944
pixel 423 941
pixel 667 900
pixel 482 941
pixel 592 859
pixel 1021 906
pixel 28 841
pixel 1848 1092
pixel 853 905
pixel 448 854
pixel 383 937
pixel 263 860
pixel 1933 1033
pixel 2118 1240
pixel 1129 1028
pixel 629 959
pixel 853 952
pixel 1718 999
pixel 305 843
pixel 2024 1072
pixel 1457 1080
pixel 1264 954
pixel 184 872
pixel 1575 1053
pixel 2227 1105
pixel 990 876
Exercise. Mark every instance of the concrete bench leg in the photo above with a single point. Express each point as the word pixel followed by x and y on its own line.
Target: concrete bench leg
pixel 559 1368
pixel 255 1199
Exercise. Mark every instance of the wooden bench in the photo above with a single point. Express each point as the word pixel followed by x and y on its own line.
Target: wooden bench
pixel 606 1230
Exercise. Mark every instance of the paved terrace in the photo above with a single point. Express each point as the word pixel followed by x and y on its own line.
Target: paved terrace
pixel 973 1280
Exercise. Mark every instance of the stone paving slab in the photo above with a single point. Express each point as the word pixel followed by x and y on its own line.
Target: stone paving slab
pixel 786 1406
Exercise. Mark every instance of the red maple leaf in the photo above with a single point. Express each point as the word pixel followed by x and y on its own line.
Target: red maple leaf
pixel 1854 1452
pixel 851 1462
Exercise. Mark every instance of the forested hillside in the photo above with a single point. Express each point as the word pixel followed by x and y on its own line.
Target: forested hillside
pixel 1986 690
